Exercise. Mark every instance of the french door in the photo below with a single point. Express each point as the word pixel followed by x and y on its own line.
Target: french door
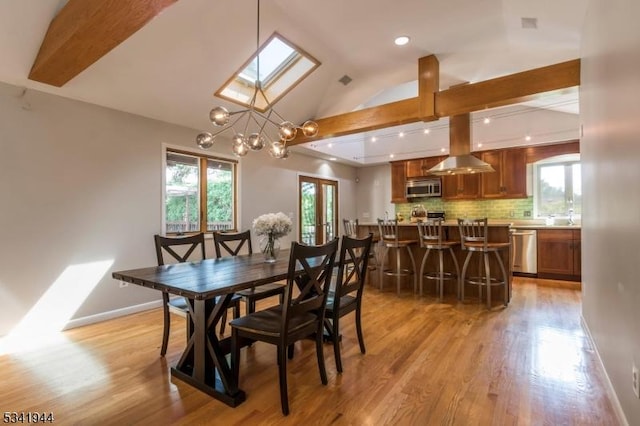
pixel 318 210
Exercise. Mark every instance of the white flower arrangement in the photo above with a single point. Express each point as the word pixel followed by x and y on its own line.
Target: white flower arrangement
pixel 275 225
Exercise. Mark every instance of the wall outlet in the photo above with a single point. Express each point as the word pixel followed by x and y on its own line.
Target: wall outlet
pixel 636 380
pixel 123 284
pixel 527 213
pixel 512 213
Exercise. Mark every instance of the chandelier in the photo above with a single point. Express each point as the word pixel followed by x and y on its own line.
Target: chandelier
pixel 252 129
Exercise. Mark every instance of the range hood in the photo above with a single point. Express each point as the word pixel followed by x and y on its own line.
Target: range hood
pixel 460 160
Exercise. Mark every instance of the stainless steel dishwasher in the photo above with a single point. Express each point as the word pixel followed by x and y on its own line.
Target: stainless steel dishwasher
pixel 524 251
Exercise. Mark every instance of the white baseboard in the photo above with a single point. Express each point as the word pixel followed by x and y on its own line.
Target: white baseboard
pixel 610 390
pixel 104 316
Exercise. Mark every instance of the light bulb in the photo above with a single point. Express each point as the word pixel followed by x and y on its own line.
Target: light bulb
pixel 205 140
pixel 219 116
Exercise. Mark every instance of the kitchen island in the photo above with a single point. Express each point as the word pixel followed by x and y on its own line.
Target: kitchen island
pixel 498 232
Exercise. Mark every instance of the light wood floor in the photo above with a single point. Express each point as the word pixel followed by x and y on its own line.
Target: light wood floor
pixel 426 363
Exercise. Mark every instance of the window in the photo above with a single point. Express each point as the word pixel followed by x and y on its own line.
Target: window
pixel 282 66
pixel 188 202
pixel 558 187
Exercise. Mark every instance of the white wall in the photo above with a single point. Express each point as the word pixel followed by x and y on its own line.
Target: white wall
pixel 81 196
pixel 610 156
pixel 373 195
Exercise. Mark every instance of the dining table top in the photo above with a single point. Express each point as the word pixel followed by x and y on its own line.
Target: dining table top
pixel 208 278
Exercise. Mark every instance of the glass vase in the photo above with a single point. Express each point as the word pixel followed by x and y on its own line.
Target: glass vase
pixel 270 247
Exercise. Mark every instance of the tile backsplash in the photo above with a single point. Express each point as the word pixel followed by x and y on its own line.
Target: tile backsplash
pixel 516 208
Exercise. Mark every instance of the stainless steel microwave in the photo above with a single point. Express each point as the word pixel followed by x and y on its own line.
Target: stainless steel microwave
pixel 420 188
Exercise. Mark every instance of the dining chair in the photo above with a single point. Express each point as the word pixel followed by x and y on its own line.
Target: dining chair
pixel 432 236
pixel 188 249
pixel 474 238
pixel 347 296
pixel 390 238
pixel 351 230
pixel 232 243
pixel 300 315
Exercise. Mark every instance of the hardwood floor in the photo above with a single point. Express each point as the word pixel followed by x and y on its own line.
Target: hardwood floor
pixel 426 363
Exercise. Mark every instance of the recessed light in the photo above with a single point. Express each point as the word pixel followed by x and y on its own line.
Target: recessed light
pixel 330 145
pixel 332 159
pixel 401 41
pixel 401 134
pixel 442 149
pixel 527 138
pixel 487 120
pixel 427 131
pixel 373 139
pixel 391 155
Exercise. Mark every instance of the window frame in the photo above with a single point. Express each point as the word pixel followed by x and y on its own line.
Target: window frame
pixel 567 161
pixel 202 194
pixel 280 75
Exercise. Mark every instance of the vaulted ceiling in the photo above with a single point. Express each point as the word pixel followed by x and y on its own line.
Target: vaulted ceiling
pixel 184 50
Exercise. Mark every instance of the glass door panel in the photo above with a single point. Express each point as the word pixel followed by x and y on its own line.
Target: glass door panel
pixel 318 210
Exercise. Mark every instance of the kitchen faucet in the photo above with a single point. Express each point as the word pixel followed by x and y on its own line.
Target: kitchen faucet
pixel 570 220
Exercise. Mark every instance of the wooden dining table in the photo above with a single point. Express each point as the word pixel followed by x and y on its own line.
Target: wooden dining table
pixel 203 363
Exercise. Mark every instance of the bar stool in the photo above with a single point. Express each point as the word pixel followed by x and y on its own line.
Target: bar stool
pixel 432 238
pixel 474 239
pixel 351 230
pixel 388 229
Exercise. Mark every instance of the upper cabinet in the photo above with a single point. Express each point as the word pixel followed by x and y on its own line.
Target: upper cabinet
pixel 510 177
pixel 420 167
pixel 398 180
pixel 508 181
pixel 461 187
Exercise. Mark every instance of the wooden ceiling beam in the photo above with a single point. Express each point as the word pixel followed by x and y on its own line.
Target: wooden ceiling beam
pixel 406 111
pixel 86 30
pixel 507 90
pixel 465 98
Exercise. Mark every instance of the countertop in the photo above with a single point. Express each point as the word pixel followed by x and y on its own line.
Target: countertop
pixel 515 224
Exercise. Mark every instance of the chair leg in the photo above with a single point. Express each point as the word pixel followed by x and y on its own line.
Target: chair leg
pixel 320 355
pixel 464 274
pixel 282 373
pixel 359 329
pixel 167 324
pixel 398 264
pixel 457 267
pixel 381 267
pixel 335 324
pixel 487 271
pixel 441 274
pixel 413 270
pixel 290 349
pixel 422 264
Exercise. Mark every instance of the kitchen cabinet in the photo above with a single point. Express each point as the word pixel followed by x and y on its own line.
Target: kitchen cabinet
pixel 420 166
pixel 510 177
pixel 559 254
pixel 461 187
pixel 398 180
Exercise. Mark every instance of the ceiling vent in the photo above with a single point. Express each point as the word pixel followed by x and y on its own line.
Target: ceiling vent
pixel 345 80
pixel 529 23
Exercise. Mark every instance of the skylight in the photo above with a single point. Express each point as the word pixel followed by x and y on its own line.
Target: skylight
pixel 282 66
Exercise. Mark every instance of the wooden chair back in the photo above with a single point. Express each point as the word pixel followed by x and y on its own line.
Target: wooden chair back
pixel 312 285
pixel 167 245
pixel 231 242
pixel 388 229
pixel 473 231
pixel 350 227
pixel 430 232
pixel 352 269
